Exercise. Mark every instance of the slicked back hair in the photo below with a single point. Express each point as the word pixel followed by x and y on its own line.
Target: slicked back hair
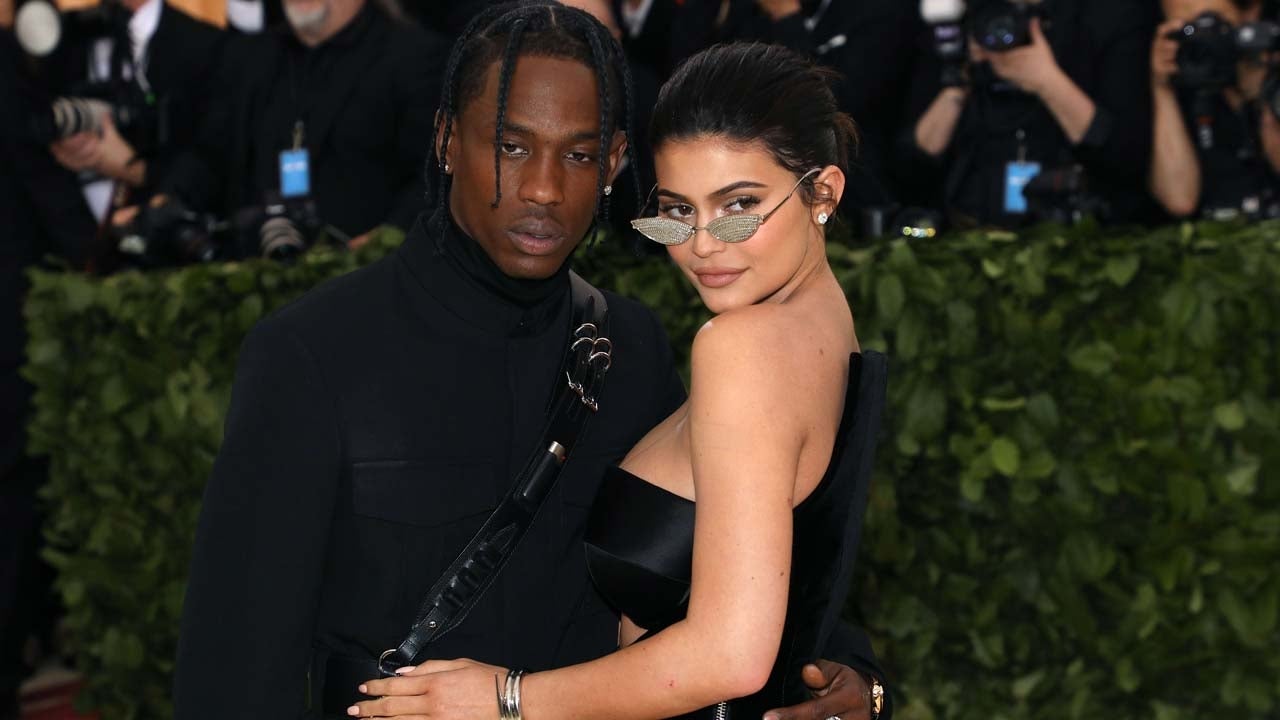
pixel 539 28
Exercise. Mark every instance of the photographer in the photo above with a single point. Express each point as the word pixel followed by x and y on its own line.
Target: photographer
pixel 41 214
pixel 1063 98
pixel 1217 147
pixel 151 64
pixel 339 103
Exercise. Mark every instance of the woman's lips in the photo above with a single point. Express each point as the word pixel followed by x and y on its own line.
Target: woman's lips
pixel 717 277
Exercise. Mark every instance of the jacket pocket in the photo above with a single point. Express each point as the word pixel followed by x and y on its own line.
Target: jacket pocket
pixel 422 493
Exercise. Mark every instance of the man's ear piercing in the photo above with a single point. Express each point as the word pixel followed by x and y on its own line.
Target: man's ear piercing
pixel 447 169
pixel 608 190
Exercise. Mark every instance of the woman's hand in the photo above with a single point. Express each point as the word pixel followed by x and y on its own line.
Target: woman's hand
pixel 439 689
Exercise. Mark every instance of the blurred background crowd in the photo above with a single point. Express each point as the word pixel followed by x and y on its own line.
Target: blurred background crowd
pixel 145 133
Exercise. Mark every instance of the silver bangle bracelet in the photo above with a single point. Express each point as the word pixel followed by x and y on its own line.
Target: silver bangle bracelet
pixel 509 698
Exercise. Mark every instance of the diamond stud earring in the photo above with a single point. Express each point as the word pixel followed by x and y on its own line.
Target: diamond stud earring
pixel 822 218
pixel 608 190
pixel 447 168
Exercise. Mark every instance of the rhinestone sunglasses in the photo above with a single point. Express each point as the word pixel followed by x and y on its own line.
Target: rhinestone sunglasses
pixel 729 228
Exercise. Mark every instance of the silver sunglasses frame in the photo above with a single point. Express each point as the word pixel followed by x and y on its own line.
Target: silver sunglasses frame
pixel 755 221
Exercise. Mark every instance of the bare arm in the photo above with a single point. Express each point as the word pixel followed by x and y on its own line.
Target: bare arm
pixel 1174 178
pixel 938 124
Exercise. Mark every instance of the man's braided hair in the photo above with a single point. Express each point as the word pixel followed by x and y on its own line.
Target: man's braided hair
pixel 541 28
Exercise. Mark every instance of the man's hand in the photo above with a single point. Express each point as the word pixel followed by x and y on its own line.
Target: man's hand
pixel 456 689
pixel 838 692
pixel 76 153
pixel 106 153
pixel 1164 53
pixel 1269 129
pixel 778 9
pixel 1031 68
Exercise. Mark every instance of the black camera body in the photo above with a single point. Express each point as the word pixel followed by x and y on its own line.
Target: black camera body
pixel 279 229
pixel 1209 48
pixel 169 235
pixel 1002 25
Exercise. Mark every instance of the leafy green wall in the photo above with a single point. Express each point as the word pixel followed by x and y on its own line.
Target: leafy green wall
pixel 1076 511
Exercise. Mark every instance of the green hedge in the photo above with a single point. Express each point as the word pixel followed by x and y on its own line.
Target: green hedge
pixel 1076 505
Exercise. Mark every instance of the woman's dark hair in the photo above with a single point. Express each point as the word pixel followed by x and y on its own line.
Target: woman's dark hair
pixel 753 93
pixel 541 28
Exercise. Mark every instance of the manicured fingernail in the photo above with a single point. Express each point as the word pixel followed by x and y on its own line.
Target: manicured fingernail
pixel 364 689
pixel 353 711
pixel 405 670
pixel 771 716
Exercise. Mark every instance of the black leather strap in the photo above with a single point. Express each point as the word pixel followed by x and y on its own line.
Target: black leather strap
pixel 580 381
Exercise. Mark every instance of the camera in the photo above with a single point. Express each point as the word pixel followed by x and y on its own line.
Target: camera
pixel 1209 48
pixel 1062 195
pixel 168 235
pixel 945 19
pixel 1002 25
pixel 279 229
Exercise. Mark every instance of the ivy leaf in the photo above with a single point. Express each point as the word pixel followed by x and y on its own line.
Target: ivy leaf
pixel 1094 358
pixel 1120 270
pixel 1229 416
pixel 1005 456
pixel 890 297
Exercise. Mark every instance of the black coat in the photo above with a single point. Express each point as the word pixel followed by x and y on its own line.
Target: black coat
pixel 41 213
pixel 367 97
pixel 373 426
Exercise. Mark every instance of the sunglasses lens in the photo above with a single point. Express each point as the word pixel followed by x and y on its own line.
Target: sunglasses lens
pixel 734 228
pixel 663 230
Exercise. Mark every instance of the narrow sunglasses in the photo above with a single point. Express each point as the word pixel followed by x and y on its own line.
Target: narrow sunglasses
pixel 729 228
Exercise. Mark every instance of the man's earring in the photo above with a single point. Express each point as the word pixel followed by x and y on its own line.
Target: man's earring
pixel 447 169
pixel 822 218
pixel 608 190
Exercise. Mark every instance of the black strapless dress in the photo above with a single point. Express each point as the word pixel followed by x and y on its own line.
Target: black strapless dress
pixel 639 544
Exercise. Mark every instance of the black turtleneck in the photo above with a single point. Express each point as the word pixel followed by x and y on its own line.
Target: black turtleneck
pixel 474 264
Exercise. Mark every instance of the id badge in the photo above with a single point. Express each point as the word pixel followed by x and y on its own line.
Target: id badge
pixel 295 173
pixel 1016 177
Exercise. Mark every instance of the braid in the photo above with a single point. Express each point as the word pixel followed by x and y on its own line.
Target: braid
pixel 606 122
pixel 545 28
pixel 504 87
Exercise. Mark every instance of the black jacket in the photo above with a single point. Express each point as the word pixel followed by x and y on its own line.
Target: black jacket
pixel 367 98
pixel 373 426
pixel 41 213
pixel 1104 47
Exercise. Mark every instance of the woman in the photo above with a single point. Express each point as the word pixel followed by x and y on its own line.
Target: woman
pixel 749 150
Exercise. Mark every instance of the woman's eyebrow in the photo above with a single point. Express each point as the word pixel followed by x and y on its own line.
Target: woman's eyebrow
pixel 733 187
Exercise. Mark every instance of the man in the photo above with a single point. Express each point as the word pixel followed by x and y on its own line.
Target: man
pixel 376 422
pixel 41 213
pixel 334 108
pixel 160 61
pixel 1219 141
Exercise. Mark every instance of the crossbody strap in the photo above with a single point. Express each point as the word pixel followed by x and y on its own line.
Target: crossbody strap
pixel 579 382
